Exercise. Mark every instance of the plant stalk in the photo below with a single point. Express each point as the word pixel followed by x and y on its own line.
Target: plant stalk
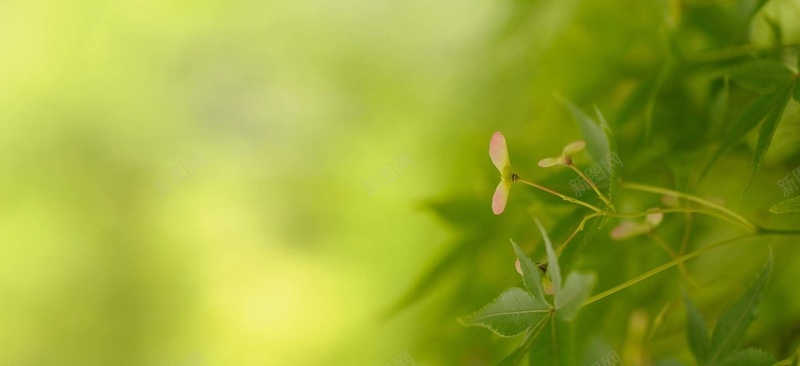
pixel 646 188
pixel 563 197
pixel 594 187
pixel 663 267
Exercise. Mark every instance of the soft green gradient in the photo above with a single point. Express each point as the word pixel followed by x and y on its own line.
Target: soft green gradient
pixel 274 252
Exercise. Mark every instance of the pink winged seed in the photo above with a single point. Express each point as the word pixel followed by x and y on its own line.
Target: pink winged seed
pixel 500 197
pixel 625 230
pixel 498 151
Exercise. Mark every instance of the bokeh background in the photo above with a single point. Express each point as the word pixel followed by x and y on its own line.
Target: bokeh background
pixel 268 182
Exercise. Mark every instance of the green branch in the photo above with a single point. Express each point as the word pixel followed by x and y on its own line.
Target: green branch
pixel 663 267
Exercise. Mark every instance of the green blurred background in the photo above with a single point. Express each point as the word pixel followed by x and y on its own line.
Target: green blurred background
pixel 117 247
pixel 251 181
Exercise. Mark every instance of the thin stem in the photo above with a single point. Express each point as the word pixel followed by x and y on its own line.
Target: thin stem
pixel 659 319
pixel 563 197
pixel 671 252
pixel 594 187
pixel 645 213
pixel 662 267
pixel 539 326
pixel 645 188
pixel 579 228
pixel 687 232
pixel 687 210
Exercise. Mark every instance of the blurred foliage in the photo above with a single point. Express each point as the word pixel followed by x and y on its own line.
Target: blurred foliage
pixel 697 93
pixel 228 179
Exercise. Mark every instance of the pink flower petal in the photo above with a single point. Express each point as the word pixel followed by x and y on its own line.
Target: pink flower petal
pixel 500 197
pixel 498 151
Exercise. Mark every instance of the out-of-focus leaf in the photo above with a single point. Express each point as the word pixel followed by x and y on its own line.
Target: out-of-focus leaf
pixel 664 73
pixel 432 276
pixel 554 346
pixel 777 35
pixel 790 205
pixel 718 106
pixel 596 140
pixel 668 362
pixel 749 118
pixel 762 75
pixel 612 150
pixel 734 321
pixel 749 357
pixel 797 88
pixel 510 314
pixel 681 164
pixel 747 9
pixel 461 211
pixel 553 271
pixel 752 114
pixel 576 290
pixel 768 129
pixel 757 6
pixel 697 332
pixel 530 274
pixel 635 102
